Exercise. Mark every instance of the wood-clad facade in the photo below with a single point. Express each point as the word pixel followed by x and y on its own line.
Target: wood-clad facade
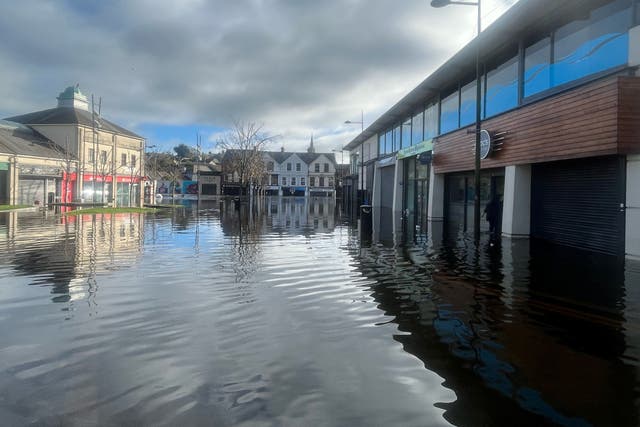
pixel 599 119
pixel 560 95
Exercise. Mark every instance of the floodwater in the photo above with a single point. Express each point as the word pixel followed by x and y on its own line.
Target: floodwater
pixel 278 315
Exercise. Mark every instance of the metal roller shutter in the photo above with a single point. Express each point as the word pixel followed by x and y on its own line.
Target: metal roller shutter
pixel 578 203
pixel 30 190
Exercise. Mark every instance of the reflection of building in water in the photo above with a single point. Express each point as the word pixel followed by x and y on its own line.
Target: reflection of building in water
pixel 68 253
pixel 514 337
pixel 300 214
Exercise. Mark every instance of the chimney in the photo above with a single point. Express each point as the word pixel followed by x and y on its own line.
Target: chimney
pixel 282 149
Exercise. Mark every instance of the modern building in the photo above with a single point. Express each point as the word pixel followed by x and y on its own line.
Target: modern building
pixel 560 112
pixel 110 158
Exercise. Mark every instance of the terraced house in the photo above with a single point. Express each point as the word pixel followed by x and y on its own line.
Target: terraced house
pixel 560 111
pixel 284 173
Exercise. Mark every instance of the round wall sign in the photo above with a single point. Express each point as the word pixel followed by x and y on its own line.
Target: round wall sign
pixel 485 144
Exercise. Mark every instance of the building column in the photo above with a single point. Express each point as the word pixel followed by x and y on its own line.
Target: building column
pixel 516 208
pixel 376 194
pixel 436 196
pixel 13 181
pixel 398 196
pixel 632 214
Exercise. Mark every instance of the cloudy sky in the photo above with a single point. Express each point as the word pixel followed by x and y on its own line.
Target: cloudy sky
pixel 169 69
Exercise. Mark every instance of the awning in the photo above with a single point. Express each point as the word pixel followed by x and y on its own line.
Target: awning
pixel 426 145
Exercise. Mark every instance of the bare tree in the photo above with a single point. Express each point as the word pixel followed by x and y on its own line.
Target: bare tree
pixel 243 147
pixel 104 168
pixel 67 161
pixel 133 173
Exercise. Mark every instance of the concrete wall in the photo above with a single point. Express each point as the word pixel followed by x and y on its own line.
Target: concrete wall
pixel 632 229
pixel 634 46
pixel 436 196
pixel 516 208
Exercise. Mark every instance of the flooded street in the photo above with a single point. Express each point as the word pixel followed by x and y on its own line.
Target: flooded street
pixel 277 315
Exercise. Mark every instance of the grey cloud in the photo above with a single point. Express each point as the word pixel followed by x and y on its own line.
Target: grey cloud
pixel 198 61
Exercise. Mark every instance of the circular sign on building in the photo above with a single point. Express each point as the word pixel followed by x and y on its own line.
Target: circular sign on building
pixel 485 144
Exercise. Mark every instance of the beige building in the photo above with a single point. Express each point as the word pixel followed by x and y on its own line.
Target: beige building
pixel 32 168
pixel 110 159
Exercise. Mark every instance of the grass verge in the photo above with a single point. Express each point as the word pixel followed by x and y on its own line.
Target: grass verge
pixel 91 211
pixel 12 207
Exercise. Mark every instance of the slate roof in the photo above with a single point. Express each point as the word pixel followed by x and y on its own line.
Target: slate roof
pixel 16 138
pixel 308 158
pixel 68 116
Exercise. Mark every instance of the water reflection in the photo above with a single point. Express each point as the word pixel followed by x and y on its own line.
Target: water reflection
pixel 273 312
pixel 66 253
pixel 519 329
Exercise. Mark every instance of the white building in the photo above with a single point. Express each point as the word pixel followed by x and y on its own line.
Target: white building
pixel 300 174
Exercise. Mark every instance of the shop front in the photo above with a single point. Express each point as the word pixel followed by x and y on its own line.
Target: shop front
pixel 100 188
pixel 580 203
pixel 459 201
pixel 37 184
pixel 417 164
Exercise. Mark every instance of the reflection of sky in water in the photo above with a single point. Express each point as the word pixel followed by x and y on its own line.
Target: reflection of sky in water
pixel 227 317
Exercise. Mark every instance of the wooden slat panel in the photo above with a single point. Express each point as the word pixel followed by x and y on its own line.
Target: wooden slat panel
pixel 601 118
pixel 629 115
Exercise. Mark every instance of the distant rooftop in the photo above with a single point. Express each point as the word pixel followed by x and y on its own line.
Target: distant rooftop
pixel 71 97
pixel 72 109
pixel 15 138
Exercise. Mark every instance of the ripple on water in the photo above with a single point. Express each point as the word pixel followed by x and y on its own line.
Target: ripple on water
pixel 249 319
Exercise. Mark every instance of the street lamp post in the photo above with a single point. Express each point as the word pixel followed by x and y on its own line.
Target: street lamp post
pixel 476 207
pixel 361 123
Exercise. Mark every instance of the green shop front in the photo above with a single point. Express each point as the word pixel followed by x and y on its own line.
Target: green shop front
pixel 4 183
pixel 417 165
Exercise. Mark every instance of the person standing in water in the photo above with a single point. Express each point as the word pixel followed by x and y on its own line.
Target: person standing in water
pixel 493 212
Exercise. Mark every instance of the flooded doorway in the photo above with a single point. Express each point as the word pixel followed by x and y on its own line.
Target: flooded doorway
pixel 459 200
pixel 416 197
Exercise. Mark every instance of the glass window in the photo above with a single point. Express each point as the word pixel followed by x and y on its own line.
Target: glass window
pixel 133 161
pixel 317 167
pixel 381 143
pixel 123 159
pixel 431 121
pixel 396 139
pixel 502 88
pixel 417 123
pixel 389 146
pixel 312 181
pixel 293 180
pixel 592 45
pixel 536 67
pixel 103 157
pixel 326 167
pixel 468 104
pixel 321 181
pixel 581 48
pixel 405 137
pixel 297 167
pixel 274 179
pixel 449 113
pixel 92 155
pixel 270 166
pixel 284 180
pixel 302 182
pixel 288 166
